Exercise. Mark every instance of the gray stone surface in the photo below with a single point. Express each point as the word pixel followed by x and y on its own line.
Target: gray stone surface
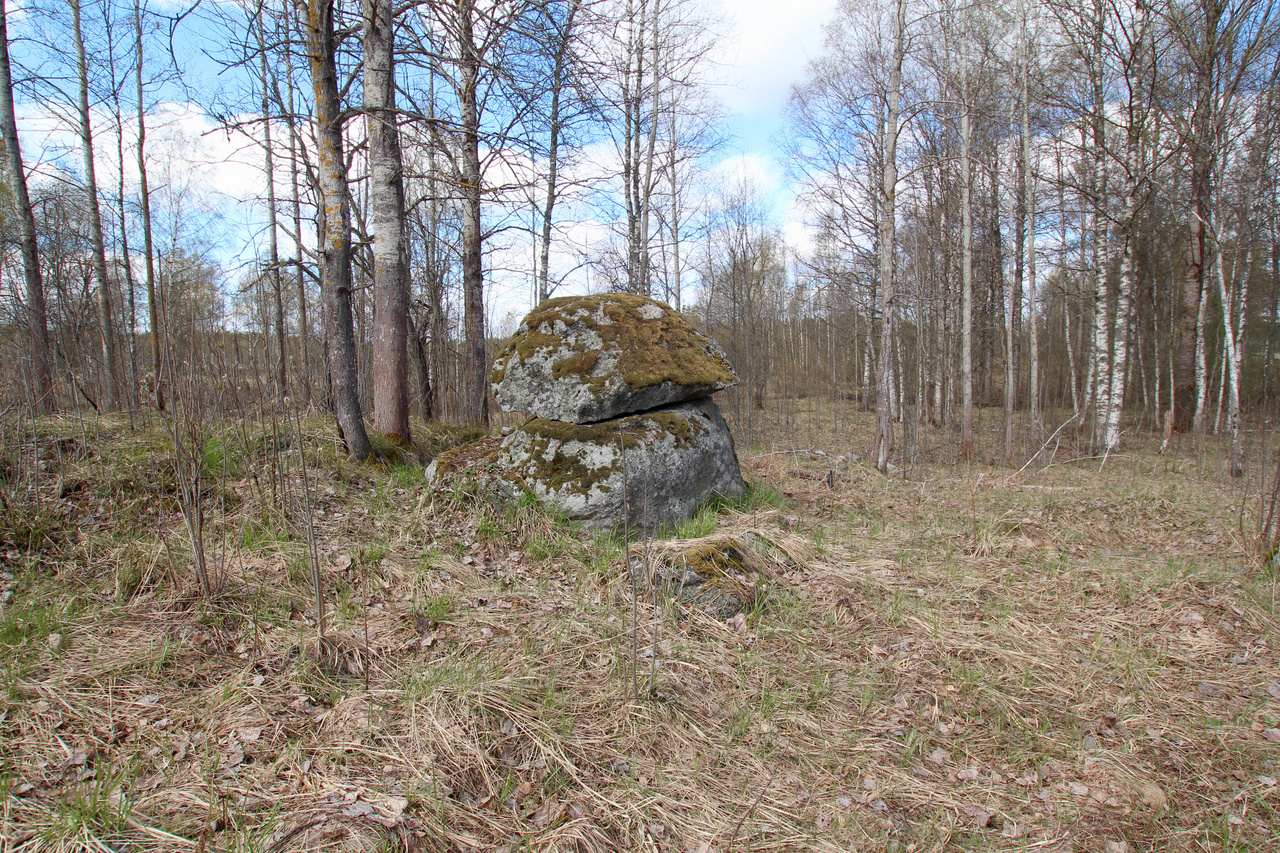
pixel 587 359
pixel 669 461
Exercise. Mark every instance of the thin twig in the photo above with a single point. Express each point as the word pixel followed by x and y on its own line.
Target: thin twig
pixel 1043 445
pixel 626 536
pixel 760 796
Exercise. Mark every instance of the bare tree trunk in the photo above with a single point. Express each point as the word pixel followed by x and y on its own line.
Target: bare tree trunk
pixel 273 248
pixel 1135 183
pixel 675 234
pixel 295 145
pixel 126 266
pixel 888 238
pixel 37 322
pixel 106 322
pixel 1200 390
pixel 144 194
pixel 1029 207
pixel 1100 352
pixel 1192 392
pixel 422 367
pixel 126 258
pixel 1235 301
pixel 1232 335
pixel 943 396
pixel 966 271
pixel 1011 308
pixel 564 39
pixel 1120 341
pixel 475 407
pixel 646 199
pixel 434 278
pixel 1072 366
pixel 1100 356
pixel 386 191
pixel 632 84
pixel 336 244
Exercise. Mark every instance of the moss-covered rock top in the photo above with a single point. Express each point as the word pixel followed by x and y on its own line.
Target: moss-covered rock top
pixel 589 358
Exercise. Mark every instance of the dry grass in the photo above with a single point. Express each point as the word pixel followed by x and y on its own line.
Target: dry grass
pixel 972 659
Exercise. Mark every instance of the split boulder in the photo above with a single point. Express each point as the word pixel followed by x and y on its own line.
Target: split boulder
pixel 623 433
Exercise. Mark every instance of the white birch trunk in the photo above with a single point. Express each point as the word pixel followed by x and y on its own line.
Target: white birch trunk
pixel 1100 351
pixel 386 196
pixel 1029 205
pixel 1232 335
pixel 1135 181
pixel 1120 348
pixel 888 237
pixel 1202 356
pixel 1010 303
pixel 1033 323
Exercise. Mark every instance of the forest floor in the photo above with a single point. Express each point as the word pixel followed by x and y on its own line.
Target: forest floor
pixel 1075 654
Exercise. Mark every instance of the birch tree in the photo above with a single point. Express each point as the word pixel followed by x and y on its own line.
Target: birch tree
pixel 386 198
pixel 888 240
pixel 1138 68
pixel 335 246
pixel 482 92
pixel 966 255
pixel 1225 44
pixel 839 117
pixel 563 35
pixel 1028 180
pixel 659 67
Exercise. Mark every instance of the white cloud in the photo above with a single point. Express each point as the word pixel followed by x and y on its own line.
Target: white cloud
pixel 798 235
pixel 768 50
pixel 754 169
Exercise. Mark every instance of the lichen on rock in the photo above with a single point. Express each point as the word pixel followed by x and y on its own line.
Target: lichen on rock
pixel 474 457
pixel 645 472
pixel 591 358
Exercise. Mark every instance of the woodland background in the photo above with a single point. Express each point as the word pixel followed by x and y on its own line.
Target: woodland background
pixel 1063 210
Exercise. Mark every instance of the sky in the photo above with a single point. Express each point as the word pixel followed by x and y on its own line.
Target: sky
pixel 766 53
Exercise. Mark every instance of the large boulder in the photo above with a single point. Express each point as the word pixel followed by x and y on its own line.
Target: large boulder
pixel 648 472
pixel 586 359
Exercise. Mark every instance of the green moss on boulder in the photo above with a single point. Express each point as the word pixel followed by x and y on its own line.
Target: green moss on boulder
pixel 648 471
pixel 590 358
